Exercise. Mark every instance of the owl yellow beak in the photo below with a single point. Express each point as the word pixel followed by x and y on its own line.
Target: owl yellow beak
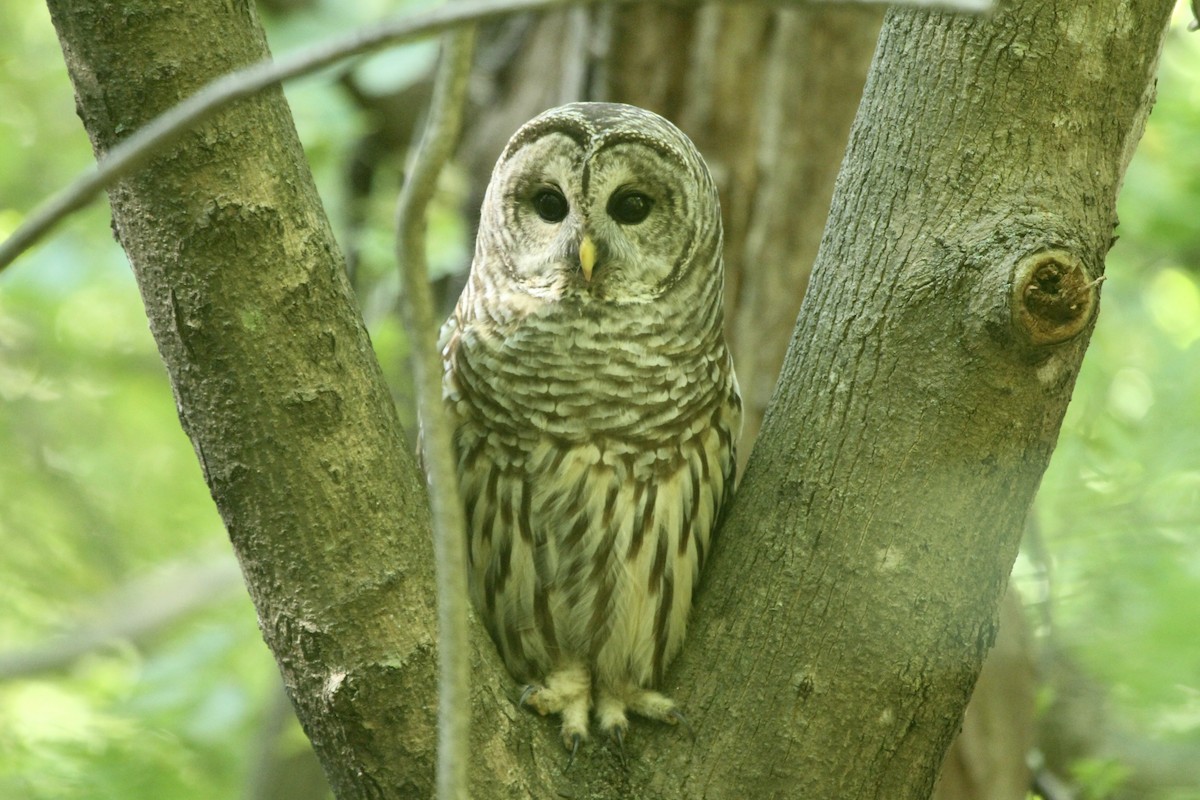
pixel 587 257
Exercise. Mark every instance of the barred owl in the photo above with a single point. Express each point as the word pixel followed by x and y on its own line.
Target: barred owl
pixel 595 408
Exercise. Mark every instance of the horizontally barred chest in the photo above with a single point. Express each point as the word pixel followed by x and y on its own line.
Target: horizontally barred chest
pixel 593 469
pixel 629 383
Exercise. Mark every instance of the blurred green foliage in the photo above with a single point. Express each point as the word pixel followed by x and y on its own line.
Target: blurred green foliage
pixel 1119 508
pixel 1120 504
pixel 99 486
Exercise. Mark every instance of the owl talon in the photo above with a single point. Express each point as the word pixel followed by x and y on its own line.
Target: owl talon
pixel 574 748
pixel 618 737
pixel 676 717
pixel 530 690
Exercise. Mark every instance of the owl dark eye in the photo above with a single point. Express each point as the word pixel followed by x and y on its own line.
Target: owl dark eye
pixel 629 208
pixel 550 205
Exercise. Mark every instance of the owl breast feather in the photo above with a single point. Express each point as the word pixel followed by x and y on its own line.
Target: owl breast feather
pixel 581 379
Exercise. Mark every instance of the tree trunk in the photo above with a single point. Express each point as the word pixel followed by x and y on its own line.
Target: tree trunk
pixel 275 381
pixel 989 758
pixel 879 516
pixel 921 397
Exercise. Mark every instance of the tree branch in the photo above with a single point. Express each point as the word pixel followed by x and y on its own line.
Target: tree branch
pixel 437 143
pixel 276 384
pixel 134 612
pixel 132 153
pixel 871 538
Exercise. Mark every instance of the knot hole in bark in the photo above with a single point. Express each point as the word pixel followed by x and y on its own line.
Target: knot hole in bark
pixel 1054 297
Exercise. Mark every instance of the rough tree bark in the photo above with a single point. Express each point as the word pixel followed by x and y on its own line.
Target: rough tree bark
pixel 934 356
pixel 275 381
pixel 879 516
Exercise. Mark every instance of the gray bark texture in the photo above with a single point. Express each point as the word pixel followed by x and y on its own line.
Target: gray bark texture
pixel 275 382
pixel 853 590
pixel 920 399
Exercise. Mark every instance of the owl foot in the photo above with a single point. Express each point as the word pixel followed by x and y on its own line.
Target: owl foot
pixel 567 692
pixel 610 713
pixel 612 707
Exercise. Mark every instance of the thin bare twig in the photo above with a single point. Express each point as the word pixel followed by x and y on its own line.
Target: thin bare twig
pixel 449 526
pixel 132 153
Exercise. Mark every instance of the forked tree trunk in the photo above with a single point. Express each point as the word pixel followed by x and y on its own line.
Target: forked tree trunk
pixel 275 381
pixel 853 591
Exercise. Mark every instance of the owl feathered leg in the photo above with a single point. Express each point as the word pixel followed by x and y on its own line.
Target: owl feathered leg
pixel 566 691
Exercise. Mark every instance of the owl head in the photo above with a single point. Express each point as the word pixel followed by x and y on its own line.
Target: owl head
pixel 600 203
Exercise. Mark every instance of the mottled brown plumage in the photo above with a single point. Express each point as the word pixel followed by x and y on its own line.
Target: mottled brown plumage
pixel 595 407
